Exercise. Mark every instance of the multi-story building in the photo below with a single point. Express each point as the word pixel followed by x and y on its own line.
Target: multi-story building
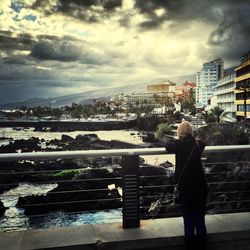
pixel 242 89
pixel 166 86
pixel 151 99
pixel 206 81
pixel 182 93
pixel 157 96
pixel 224 90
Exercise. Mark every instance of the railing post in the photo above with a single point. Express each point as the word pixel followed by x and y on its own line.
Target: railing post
pixel 131 209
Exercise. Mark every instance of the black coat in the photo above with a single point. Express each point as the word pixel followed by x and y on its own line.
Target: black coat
pixel 192 184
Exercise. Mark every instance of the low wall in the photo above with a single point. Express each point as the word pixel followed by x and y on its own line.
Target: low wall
pixel 227 231
pixel 71 125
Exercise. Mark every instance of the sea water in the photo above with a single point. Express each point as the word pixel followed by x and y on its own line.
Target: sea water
pixel 15 219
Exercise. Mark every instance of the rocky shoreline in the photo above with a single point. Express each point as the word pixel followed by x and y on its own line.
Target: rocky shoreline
pixel 72 176
pixel 77 177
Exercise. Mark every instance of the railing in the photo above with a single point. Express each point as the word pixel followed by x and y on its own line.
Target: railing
pixel 228 181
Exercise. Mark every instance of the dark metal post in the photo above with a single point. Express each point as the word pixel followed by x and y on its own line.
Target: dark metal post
pixel 131 209
pixel 245 102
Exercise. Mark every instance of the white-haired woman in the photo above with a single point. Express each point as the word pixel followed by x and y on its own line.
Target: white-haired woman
pixel 192 186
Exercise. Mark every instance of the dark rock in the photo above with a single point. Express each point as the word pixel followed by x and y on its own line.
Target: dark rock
pixel 87 138
pixel 29 145
pixel 149 137
pixel 80 199
pixel 2 209
pixel 66 138
pixel 166 164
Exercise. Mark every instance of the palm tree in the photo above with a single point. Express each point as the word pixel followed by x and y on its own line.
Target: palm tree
pixel 217 111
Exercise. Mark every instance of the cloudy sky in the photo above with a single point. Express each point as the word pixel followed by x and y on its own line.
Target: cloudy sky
pixel 60 47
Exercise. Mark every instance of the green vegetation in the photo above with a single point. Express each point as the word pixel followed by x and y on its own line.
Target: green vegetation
pixel 213 115
pixel 217 112
pixel 188 105
pixel 140 107
pixel 162 129
pixel 224 134
pixel 73 111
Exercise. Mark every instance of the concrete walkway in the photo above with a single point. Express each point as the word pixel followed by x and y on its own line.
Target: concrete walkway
pixel 227 231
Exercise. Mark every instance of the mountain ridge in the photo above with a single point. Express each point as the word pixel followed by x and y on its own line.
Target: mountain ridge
pixel 87 97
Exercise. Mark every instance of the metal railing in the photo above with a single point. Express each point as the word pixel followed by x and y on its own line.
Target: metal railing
pixel 139 189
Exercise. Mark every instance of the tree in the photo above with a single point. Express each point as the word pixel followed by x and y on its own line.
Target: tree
pixel 162 129
pixel 217 111
pixel 208 117
pixel 188 105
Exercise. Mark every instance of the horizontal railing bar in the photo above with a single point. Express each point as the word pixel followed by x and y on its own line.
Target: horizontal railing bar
pixel 85 169
pixel 228 182
pixel 224 162
pixel 63 192
pixel 228 172
pixel 230 192
pixel 156 186
pixel 68 202
pixel 62 181
pixel 159 196
pixel 152 196
pixel 210 183
pixel 153 176
pixel 228 210
pixel 226 202
pixel 209 203
pixel 53 170
pixel 108 152
pixel 210 193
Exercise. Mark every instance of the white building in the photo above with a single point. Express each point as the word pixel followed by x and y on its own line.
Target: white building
pixel 224 91
pixel 206 81
pixel 212 102
pixel 147 99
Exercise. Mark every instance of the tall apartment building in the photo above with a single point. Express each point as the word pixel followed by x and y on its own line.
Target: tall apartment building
pixel 206 81
pixel 224 90
pixel 242 89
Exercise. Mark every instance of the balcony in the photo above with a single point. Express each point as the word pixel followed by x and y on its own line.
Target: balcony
pixel 228 206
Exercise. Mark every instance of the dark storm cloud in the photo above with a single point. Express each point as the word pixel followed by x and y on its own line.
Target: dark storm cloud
pixel 48 50
pixel 19 60
pixel 10 41
pixel 66 50
pixel 179 10
pixel 16 71
pixel 48 47
pixel 81 9
pixel 231 36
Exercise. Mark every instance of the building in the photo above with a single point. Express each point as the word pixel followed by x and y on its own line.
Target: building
pixel 167 87
pixel 206 81
pixel 159 96
pixel 224 91
pixel 182 93
pixel 242 89
pixel 150 99
pixel 211 103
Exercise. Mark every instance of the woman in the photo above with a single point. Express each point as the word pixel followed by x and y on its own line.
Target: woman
pixel 192 186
